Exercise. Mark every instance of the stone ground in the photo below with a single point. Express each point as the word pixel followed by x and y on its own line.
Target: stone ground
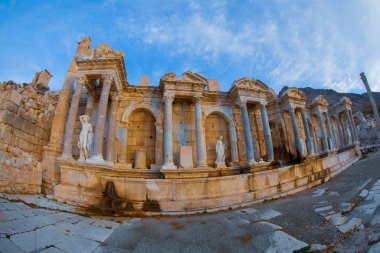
pixel 342 215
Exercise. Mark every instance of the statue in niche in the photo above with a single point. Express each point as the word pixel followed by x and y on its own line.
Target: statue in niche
pixel 349 136
pixel 85 138
pixel 220 157
pixel 302 147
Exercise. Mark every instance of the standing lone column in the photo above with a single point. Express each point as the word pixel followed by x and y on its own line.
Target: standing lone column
pixel 307 133
pixel 168 132
pixel 322 127
pixel 101 119
pixel 373 104
pixel 247 132
pixel 70 123
pixel 267 133
pixel 295 129
pixel 200 140
pixel 331 132
pixel 110 155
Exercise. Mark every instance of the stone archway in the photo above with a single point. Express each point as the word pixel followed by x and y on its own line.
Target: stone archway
pixel 216 126
pixel 141 136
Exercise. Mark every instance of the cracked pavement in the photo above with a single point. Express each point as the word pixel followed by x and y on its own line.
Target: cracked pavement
pixel 341 215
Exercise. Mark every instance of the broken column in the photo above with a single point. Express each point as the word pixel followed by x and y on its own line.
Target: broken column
pixel 373 104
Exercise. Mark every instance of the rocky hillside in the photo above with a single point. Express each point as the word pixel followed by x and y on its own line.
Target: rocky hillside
pixel 360 102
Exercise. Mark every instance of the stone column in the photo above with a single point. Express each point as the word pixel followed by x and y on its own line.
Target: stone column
pixel 322 127
pixel 70 122
pixel 110 155
pixel 267 133
pixel 234 146
pixel 340 131
pixel 331 132
pixel 199 134
pixel 90 103
pixel 247 132
pixel 307 133
pixel 351 125
pixel 295 129
pixel 101 119
pixel 159 133
pixel 373 104
pixel 354 127
pixel 168 132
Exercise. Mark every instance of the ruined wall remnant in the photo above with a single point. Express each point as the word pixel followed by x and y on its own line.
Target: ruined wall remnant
pixel 26 113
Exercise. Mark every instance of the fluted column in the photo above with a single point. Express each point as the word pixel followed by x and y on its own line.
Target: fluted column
pixel 340 131
pixel 158 144
pixel 70 122
pixel 247 132
pixel 331 132
pixel 307 133
pixel 234 146
pixel 267 133
pixel 322 127
pixel 101 119
pixel 354 127
pixel 90 103
pixel 168 132
pixel 199 134
pixel 295 129
pixel 351 125
pixel 110 155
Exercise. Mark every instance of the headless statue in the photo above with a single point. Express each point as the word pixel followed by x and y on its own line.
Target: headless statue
pixel 85 138
pixel 220 157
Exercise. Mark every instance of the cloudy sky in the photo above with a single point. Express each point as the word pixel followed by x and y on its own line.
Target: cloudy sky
pixel 322 44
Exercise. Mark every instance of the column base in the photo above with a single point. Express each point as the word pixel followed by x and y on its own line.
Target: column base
pixel 169 166
pixel 96 159
pixel 67 158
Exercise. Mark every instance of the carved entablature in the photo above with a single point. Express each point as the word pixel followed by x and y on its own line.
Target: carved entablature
pixel 189 82
pixel 344 104
pixel 320 101
pixel 292 98
pixel 103 60
pixel 251 89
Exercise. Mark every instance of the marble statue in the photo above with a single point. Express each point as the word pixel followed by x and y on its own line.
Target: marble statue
pixel 85 138
pixel 302 146
pixel 220 147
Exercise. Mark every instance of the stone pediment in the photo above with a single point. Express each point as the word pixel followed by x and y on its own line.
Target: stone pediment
pixel 319 100
pixel 293 93
pixel 101 51
pixel 345 100
pixel 188 77
pixel 251 83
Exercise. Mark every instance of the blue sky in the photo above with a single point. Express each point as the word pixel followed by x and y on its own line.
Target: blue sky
pixel 322 44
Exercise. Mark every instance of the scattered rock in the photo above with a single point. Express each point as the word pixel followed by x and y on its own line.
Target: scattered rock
pixel 350 225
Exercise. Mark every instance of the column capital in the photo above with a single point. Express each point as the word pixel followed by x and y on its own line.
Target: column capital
pixel 242 102
pixel 82 78
pixel 198 99
pixel 263 104
pixel 168 97
pixel 107 78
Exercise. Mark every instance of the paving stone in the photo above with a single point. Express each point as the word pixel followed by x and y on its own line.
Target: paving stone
pixel 345 207
pixel 52 250
pixel 336 219
pixel 282 242
pixel 241 221
pixel 367 209
pixel 77 244
pixel 374 248
pixel 5 228
pixel 105 224
pixel 320 209
pixel 363 193
pixel 267 215
pixel 94 233
pixel 319 192
pixel 271 225
pixel 333 194
pixel 350 225
pixel 39 239
pixel 247 211
pixel 14 206
pixel 10 215
pixel 7 246
pixel 376 219
pixel 317 247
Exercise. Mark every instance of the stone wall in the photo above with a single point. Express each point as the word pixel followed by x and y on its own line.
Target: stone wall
pixel 25 122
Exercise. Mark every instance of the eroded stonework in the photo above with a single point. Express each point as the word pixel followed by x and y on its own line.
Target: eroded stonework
pixel 157 144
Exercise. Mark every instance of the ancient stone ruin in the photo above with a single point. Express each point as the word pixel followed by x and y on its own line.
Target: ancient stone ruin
pixel 183 145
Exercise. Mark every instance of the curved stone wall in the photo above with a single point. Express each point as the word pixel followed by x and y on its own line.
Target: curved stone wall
pixel 83 186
